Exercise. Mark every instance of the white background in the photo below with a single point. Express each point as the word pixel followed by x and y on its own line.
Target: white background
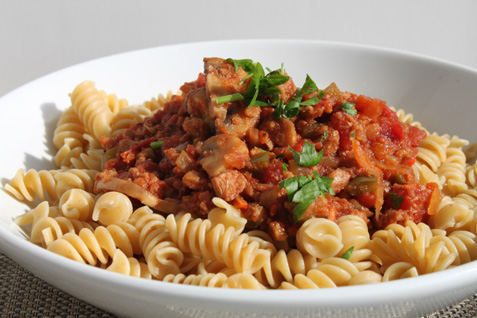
pixel 39 37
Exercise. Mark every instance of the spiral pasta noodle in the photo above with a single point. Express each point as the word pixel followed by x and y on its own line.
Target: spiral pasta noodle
pixel 453 168
pixel 451 215
pixel 41 211
pixel 92 109
pixel 69 126
pixel 321 238
pixel 90 160
pixel 33 184
pixel 411 244
pixel 74 179
pixel 77 204
pixel 111 208
pixel 162 255
pixel 220 243
pixel 155 104
pixel 284 266
pixel 127 117
pixel 116 104
pixel 49 229
pixel 71 149
pixel 130 266
pixel 432 151
pixel 331 272
pixel 90 246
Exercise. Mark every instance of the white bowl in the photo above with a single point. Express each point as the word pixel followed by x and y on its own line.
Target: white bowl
pixel 440 94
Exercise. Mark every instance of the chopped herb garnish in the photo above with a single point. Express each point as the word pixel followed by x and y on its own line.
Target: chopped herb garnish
pixel 267 85
pixel 293 107
pixel 156 144
pixel 396 200
pixel 325 135
pixel 285 166
pixel 309 86
pixel 288 111
pixel 310 102
pixel 247 64
pixel 308 157
pixel 349 108
pixel 347 254
pixel 304 190
pixel 228 98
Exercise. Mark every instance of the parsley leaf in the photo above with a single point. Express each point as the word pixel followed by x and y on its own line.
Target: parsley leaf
pixel 348 107
pixel 308 157
pixel 309 86
pixel 396 200
pixel 347 254
pixel 247 64
pixel 267 85
pixel 304 190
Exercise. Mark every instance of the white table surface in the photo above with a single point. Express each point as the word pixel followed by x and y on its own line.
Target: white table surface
pixel 38 37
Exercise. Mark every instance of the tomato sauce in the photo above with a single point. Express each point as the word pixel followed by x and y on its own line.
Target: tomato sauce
pixel 244 154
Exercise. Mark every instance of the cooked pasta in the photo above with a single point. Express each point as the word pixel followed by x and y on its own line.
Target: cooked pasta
pixel 77 204
pixel 71 149
pixel 41 211
pixel 111 208
pixel 69 126
pixel 191 190
pixel 321 238
pixel 92 109
pixel 331 272
pixel 90 246
pixel 90 160
pixel 116 104
pixel 411 244
pixel 432 151
pixel 217 242
pixel 400 270
pixel 452 215
pixel 453 168
pixel 49 229
pixel 33 184
pixel 162 255
pixel 74 179
pixel 284 266
pixel 130 266
pixel 127 117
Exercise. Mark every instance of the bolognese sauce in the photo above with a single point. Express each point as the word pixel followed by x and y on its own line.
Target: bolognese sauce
pixel 277 152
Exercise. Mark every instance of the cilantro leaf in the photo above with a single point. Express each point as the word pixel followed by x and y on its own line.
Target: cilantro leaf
pixel 308 157
pixel 349 108
pixel 396 200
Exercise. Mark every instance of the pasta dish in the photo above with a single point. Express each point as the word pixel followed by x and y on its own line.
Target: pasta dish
pixel 244 179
